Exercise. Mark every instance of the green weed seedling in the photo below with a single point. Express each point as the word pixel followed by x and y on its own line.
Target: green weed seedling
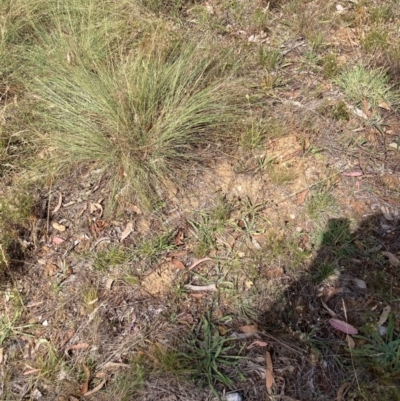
pixel 210 354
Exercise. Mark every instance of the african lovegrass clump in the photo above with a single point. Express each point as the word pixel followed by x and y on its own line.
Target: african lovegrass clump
pixel 143 111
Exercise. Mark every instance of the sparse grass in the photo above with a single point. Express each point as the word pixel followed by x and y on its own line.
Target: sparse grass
pixel 110 257
pixel 325 273
pixel 48 360
pixel 209 224
pixel 269 58
pixel 320 202
pixel 128 384
pixel 154 246
pixel 378 358
pixel 10 326
pixel 360 83
pixel 381 13
pixel 90 297
pixel 280 174
pixel 169 361
pixel 375 41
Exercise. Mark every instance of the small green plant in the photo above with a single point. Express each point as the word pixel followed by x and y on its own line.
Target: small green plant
pixel 381 13
pixel 269 58
pixel 375 41
pixel 360 83
pixel 320 201
pixel 169 361
pixel 9 327
pixel 380 353
pixel 112 256
pixel 209 224
pixel 152 247
pixel 280 174
pixel 260 19
pixel 330 65
pixel 49 360
pixel 210 355
pixel 324 273
pixel 128 384
pixel 340 112
pixel 337 233
pixel 90 297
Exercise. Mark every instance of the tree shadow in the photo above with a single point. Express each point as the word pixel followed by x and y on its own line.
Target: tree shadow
pixel 350 279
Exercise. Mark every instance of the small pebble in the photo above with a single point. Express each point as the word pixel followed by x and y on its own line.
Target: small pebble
pixel 234 397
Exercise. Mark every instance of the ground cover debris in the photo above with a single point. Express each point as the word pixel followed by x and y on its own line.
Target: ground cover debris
pixel 199 200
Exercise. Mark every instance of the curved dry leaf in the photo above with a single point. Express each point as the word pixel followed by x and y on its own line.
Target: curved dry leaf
pixel 85 386
pixel 210 287
pixel 58 227
pixel 31 372
pixel 384 105
pixel 57 240
pixel 353 174
pixel 96 207
pixel 359 245
pixel 127 231
pixel 248 329
pixel 115 365
pixel 301 197
pixel 341 390
pixel 329 310
pixel 269 372
pixel 350 342
pixel 57 208
pixel 109 283
pixel 343 326
pixel 198 262
pixel 76 346
pixel 392 259
pixel 384 315
pixel 178 264
pixel 97 388
pixel 257 343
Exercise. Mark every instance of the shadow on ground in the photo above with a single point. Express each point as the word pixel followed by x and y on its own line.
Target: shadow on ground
pixel 350 279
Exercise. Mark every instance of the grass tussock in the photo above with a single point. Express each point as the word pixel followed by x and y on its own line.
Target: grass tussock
pixel 360 83
pixel 144 114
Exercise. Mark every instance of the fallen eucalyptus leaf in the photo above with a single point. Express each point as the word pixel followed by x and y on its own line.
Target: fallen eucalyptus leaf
pixel 127 231
pixel 343 326
pixel 269 373
pixel 58 227
pixel 210 287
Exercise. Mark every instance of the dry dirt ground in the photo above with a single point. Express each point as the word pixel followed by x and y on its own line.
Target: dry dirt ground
pixel 285 236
